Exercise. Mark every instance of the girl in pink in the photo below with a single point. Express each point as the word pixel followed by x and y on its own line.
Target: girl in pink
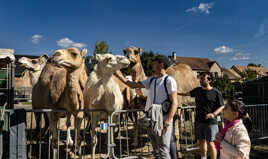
pixel 233 141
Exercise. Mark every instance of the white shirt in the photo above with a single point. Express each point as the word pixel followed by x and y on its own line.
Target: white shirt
pixel 160 93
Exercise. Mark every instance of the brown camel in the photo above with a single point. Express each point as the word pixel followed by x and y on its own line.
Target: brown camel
pixel 55 83
pixel 71 98
pixel 182 73
pixel 102 91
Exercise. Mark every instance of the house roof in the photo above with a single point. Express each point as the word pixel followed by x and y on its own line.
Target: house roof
pixel 196 63
pixel 260 70
pixel 18 69
pixel 231 74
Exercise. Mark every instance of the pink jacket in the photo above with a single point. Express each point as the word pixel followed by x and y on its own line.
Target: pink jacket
pixel 236 143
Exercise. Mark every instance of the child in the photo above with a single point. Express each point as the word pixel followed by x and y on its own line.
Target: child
pixel 233 140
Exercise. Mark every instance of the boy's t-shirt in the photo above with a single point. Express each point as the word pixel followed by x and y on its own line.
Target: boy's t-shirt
pixel 207 101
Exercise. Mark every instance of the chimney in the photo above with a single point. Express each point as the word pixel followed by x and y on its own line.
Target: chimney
pixel 174 57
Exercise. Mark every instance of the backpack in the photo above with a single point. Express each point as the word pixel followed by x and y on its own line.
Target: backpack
pixel 166 105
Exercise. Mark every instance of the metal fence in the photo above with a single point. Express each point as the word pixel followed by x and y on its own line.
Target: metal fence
pixel 259 116
pixel 120 124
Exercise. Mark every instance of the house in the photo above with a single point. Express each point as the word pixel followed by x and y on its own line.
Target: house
pixel 199 65
pixel 231 74
pixel 261 71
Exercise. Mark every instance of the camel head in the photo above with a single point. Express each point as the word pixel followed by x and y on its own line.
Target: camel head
pixel 133 54
pixel 71 58
pixel 109 63
pixel 34 65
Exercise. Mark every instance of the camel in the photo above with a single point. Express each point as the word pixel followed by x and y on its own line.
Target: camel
pixel 22 82
pixel 34 68
pixel 182 73
pixel 102 91
pixel 56 83
pixel 71 99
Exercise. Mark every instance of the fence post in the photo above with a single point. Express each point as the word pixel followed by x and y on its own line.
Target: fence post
pixel 17 147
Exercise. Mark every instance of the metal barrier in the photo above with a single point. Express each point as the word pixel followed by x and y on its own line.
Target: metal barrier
pixel 183 134
pixel 39 143
pixel 123 128
pixel 259 116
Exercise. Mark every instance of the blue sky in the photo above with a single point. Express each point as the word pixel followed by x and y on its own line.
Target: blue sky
pixel 229 31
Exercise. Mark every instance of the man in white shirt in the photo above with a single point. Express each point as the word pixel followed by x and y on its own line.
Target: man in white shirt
pixel 158 93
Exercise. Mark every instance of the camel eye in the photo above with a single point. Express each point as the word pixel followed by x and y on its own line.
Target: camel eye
pixel 74 54
pixel 34 61
pixel 136 52
pixel 108 59
pixel 124 52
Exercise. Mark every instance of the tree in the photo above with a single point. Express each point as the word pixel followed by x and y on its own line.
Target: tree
pixel 249 74
pixel 101 48
pixel 147 60
pixel 224 85
pixel 252 64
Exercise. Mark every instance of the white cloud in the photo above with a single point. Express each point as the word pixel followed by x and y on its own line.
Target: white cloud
pixel 202 8
pixel 36 38
pixel 240 57
pixel 79 45
pixel 261 31
pixel 223 50
pixel 66 42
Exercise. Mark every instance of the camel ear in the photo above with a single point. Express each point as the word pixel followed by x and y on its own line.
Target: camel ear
pixel 98 57
pixel 140 50
pixel 45 56
pixel 83 52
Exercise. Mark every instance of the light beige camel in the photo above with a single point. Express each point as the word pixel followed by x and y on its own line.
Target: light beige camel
pixel 182 73
pixel 102 91
pixel 34 68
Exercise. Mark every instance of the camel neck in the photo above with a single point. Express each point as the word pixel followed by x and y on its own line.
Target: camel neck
pixel 34 76
pixel 137 73
pixel 73 77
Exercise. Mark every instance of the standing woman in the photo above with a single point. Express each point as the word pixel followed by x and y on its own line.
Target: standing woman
pixel 233 140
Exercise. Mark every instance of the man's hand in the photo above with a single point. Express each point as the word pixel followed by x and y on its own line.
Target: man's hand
pixel 165 129
pixel 165 126
pixel 210 116
pixel 219 137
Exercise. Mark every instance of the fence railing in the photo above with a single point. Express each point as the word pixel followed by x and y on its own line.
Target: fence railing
pixel 130 139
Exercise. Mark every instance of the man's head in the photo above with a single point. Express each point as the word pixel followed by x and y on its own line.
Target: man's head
pixel 206 78
pixel 160 63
